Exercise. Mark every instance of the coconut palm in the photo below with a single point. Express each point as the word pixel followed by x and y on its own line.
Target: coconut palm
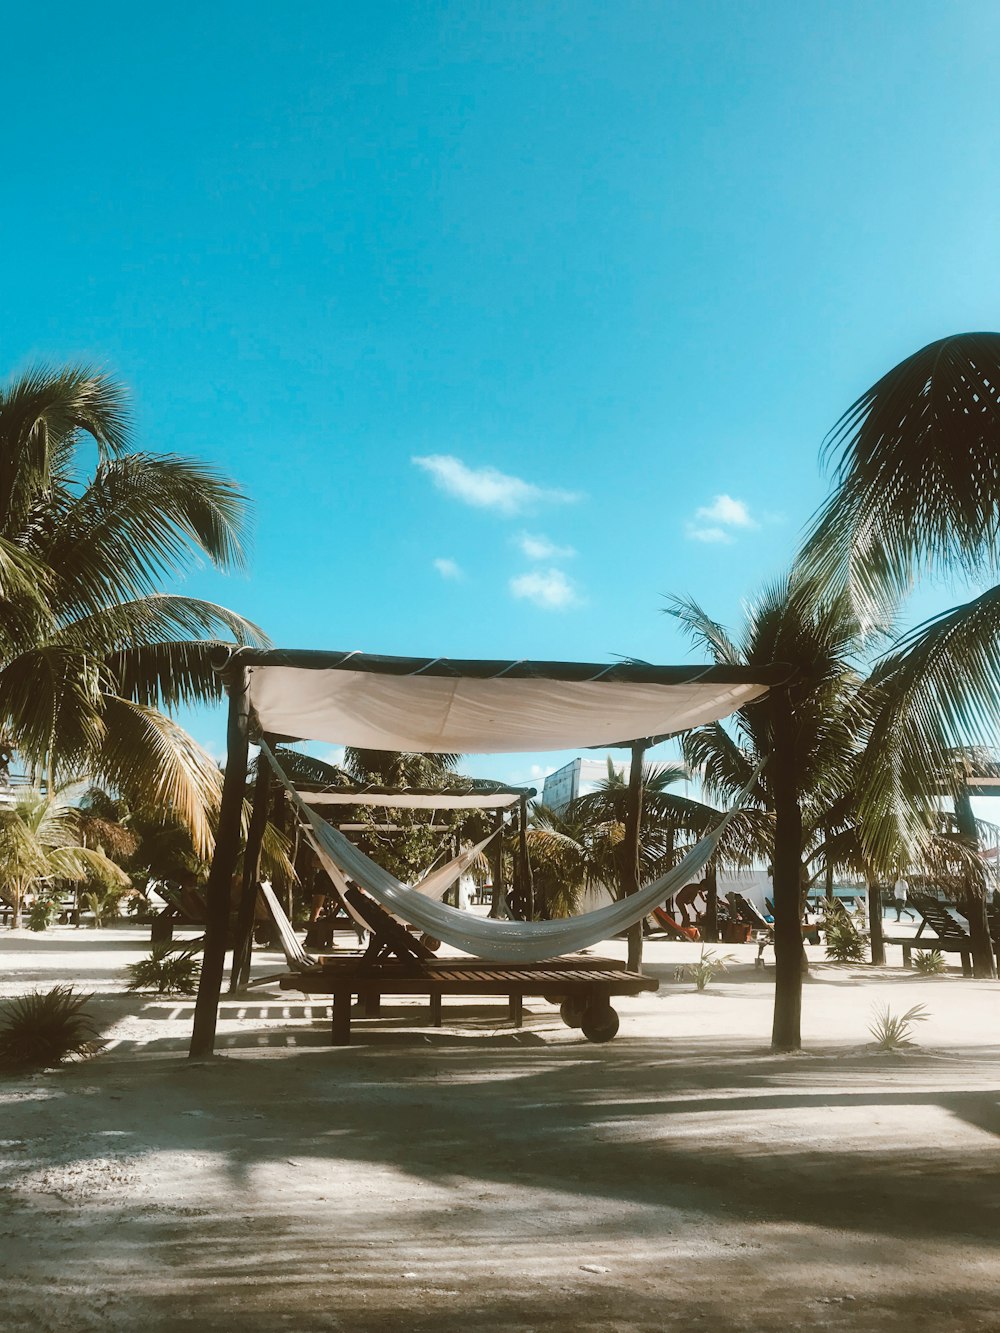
pixel 806 730
pixel 90 650
pixel 41 842
pixel 918 489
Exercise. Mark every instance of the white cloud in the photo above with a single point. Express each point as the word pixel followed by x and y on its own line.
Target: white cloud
pixel 727 511
pixel 486 488
pixel 715 522
pixel 708 534
pixel 550 589
pixel 540 548
pixel 448 569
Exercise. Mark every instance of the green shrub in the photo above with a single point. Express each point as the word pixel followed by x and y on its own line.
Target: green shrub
pixel 42 913
pixel 892 1031
pixel 706 967
pixel 929 962
pixel 165 972
pixel 42 1028
pixel 844 942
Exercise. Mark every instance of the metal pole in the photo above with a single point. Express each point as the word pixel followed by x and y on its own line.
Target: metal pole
pixel 630 867
pixel 220 878
pixel 243 947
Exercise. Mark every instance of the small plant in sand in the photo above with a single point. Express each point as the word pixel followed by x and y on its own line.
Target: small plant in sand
pixel 707 965
pixel 930 962
pixel 844 943
pixel 42 913
pixel 41 1029
pixel 166 972
pixel 892 1031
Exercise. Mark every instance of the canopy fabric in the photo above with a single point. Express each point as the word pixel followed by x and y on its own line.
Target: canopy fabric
pixel 414 800
pixel 504 941
pixel 468 707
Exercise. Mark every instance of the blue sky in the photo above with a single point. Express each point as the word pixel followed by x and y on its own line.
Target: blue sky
pixel 512 318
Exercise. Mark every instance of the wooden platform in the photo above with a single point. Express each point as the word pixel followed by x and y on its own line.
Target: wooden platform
pixel 581 986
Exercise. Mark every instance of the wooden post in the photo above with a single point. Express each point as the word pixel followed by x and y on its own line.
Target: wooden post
pixel 974 904
pixel 498 906
pixel 527 884
pixel 630 865
pixel 220 877
pixel 710 924
pixel 786 1031
pixel 243 946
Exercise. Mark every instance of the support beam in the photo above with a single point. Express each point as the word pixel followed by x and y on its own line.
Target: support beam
pixel 227 845
pixel 527 883
pixel 243 947
pixel 498 905
pixel 630 865
pixel 786 1031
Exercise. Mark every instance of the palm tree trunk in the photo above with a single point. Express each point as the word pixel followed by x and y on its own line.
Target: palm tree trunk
pixel 710 925
pixel 974 904
pixel 876 936
pixel 633 823
pixel 786 1031
pixel 829 873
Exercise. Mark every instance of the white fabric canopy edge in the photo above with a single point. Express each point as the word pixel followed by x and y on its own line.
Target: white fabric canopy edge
pixel 493 715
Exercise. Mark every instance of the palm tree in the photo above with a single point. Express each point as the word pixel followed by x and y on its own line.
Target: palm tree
pixel 41 841
pixel 667 816
pixel 918 489
pixel 400 768
pixel 806 730
pixel 90 650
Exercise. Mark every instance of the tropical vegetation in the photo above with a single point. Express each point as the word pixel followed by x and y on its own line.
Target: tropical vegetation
pixel 91 651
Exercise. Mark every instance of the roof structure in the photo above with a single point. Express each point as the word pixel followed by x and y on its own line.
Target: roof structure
pixel 413 798
pixel 441 705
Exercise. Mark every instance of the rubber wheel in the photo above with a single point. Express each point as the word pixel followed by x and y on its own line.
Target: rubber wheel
pixel 429 942
pixel 572 1012
pixel 600 1023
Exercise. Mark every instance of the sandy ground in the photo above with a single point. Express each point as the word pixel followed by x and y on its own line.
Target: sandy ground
pixel 477 1177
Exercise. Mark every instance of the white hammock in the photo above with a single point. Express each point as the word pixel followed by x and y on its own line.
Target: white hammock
pixel 504 941
pixel 433 884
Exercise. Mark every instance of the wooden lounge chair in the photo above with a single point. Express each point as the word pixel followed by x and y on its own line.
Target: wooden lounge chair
pixel 397 963
pixel 949 936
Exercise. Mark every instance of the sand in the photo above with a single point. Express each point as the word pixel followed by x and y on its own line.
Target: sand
pixel 475 1177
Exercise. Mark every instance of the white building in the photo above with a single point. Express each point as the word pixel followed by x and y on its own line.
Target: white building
pixel 577 778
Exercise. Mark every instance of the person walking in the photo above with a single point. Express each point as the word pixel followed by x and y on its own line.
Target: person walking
pixel 899 892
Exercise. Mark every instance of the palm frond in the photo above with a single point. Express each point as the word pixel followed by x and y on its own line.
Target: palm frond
pixel 41 414
pixel 918 472
pixel 142 517
pixel 154 762
pixel 704 630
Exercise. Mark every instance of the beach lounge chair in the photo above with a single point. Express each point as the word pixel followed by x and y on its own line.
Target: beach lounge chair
pixel 660 922
pixel 949 934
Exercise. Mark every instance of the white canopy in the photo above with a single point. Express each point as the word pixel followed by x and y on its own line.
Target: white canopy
pixel 470 707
